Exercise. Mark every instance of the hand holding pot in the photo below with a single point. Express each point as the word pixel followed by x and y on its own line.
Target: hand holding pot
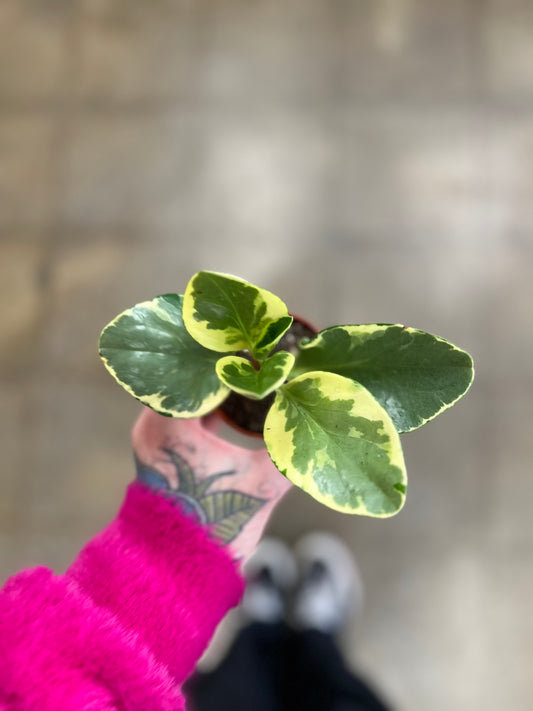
pixel 229 489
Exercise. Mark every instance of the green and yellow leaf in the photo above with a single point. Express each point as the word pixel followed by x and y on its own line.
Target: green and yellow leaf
pixel 413 374
pixel 148 350
pixel 330 437
pixel 225 313
pixel 239 374
pixel 273 332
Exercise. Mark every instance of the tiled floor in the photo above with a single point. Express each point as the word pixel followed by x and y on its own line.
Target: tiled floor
pixel 366 161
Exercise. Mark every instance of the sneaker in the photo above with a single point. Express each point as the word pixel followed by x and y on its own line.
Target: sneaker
pixel 330 588
pixel 270 575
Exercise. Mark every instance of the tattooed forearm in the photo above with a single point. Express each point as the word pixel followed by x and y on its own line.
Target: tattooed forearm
pixel 225 511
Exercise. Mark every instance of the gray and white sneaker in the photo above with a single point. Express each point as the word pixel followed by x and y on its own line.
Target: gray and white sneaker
pixel 330 588
pixel 271 574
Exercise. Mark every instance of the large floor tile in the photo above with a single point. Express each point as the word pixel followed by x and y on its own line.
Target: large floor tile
pixel 26 177
pixel 267 52
pixel 254 173
pixel 507 159
pixel 506 35
pixel 21 261
pixel 502 339
pixel 14 446
pixel 12 554
pixel 409 49
pixel 510 640
pixel 119 169
pixel 136 51
pixel 34 52
pixel 66 461
pixel 413 172
pixel 424 632
pixel 507 449
pixel 28 550
pixel 80 457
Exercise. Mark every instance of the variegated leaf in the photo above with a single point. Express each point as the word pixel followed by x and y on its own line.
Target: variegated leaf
pixel 225 313
pixel 330 437
pixel 241 376
pixel 150 353
pixel 273 333
pixel 413 374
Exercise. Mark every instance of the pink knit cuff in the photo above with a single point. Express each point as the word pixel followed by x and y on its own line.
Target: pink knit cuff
pixel 162 577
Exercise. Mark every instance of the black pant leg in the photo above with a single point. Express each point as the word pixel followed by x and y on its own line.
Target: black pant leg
pixel 249 678
pixel 320 680
pixel 272 668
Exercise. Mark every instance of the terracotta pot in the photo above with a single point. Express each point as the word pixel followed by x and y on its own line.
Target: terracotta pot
pixel 246 416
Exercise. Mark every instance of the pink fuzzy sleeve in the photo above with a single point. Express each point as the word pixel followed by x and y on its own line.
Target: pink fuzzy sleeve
pixel 124 627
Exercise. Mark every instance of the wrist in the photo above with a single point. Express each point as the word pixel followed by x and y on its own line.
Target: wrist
pixel 229 490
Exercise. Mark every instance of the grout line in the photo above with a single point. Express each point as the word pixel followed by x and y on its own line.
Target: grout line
pixel 360 104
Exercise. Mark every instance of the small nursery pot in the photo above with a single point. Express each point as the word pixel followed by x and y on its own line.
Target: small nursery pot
pixel 248 416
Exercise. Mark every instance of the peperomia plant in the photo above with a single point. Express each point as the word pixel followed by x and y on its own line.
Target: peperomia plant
pixel 341 397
